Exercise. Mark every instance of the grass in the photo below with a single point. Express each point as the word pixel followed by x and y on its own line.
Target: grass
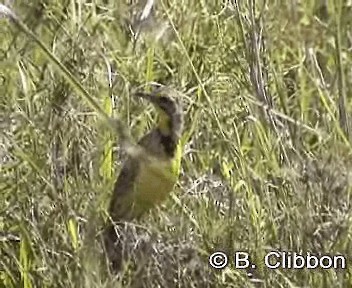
pixel 267 154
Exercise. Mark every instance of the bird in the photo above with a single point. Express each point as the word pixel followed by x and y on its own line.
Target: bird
pixel 145 181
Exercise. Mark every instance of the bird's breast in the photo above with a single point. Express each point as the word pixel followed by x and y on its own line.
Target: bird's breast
pixel 155 182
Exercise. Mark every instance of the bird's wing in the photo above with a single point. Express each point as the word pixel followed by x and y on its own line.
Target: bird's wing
pixel 123 190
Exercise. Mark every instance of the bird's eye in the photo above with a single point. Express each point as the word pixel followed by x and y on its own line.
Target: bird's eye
pixel 164 102
pixel 164 99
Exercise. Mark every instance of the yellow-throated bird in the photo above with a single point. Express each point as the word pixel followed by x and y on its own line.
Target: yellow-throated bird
pixel 146 181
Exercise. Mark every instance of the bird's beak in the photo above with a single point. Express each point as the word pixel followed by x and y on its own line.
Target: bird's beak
pixel 152 98
pixel 147 96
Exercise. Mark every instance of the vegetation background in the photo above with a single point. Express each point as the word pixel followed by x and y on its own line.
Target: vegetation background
pixel 266 87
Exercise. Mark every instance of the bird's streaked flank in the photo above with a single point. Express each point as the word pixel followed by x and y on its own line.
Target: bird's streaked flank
pixel 147 180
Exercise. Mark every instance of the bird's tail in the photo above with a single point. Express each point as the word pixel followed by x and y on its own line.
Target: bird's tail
pixel 113 247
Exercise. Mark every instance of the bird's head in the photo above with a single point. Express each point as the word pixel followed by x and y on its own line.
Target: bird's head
pixel 170 113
